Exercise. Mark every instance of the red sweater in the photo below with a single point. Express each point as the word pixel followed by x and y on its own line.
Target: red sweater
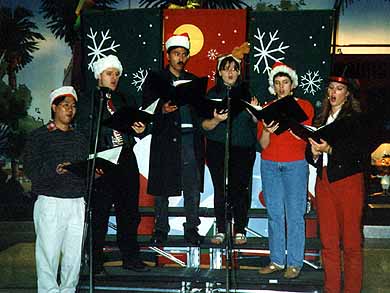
pixel 285 147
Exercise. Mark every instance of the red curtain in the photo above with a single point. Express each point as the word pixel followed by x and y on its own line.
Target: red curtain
pixel 212 32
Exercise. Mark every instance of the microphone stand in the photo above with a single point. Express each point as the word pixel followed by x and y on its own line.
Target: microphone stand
pixel 228 214
pixel 87 230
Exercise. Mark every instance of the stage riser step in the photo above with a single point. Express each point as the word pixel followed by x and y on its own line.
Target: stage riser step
pixel 178 241
pixel 117 277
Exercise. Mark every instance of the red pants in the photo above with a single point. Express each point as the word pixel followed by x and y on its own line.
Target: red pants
pixel 340 206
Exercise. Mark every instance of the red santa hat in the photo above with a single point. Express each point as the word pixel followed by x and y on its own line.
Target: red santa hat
pixel 182 40
pixel 102 64
pixel 279 67
pixel 67 91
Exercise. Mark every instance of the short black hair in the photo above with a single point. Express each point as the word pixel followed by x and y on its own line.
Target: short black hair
pixel 56 102
pixel 175 47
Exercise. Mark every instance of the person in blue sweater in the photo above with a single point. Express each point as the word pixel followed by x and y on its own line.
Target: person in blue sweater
pixel 242 150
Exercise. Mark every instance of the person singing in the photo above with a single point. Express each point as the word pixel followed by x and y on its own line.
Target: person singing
pixel 340 185
pixel 284 175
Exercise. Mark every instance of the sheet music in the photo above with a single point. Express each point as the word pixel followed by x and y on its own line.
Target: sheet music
pixel 178 82
pixel 111 155
pixel 151 108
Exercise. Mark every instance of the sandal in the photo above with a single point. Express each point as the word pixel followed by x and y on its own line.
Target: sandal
pixel 218 238
pixel 240 239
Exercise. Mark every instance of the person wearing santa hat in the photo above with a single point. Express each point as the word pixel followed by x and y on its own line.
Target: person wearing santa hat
pixel 284 175
pixel 177 147
pixel 340 185
pixel 119 186
pixel 59 209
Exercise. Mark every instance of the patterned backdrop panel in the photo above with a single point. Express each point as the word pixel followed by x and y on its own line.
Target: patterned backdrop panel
pixel 301 39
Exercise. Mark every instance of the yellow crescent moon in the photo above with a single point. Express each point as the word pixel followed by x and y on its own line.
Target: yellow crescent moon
pixel 196 37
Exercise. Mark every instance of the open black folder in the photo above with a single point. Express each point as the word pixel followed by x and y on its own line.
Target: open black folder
pixel 180 92
pixel 207 106
pixel 282 111
pixel 330 133
pixel 124 118
pixel 105 160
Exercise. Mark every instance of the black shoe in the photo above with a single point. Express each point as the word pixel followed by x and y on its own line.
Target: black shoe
pixel 192 236
pixel 158 238
pixel 99 270
pixel 135 264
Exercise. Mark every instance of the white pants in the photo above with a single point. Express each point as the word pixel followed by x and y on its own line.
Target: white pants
pixel 58 225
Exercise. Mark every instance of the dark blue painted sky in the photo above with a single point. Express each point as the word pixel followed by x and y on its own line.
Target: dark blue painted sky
pixel 365 21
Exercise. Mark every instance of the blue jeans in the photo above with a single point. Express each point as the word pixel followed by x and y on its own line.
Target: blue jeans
pixel 285 194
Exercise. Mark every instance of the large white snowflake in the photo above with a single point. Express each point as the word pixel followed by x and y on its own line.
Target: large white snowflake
pixel 212 54
pixel 139 78
pixel 97 50
pixel 265 52
pixel 310 82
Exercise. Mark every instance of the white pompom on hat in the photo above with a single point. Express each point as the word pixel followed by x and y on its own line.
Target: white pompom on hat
pixel 182 40
pixel 102 64
pixel 67 91
pixel 281 67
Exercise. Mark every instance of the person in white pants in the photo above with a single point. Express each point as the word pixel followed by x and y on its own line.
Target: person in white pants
pixel 59 210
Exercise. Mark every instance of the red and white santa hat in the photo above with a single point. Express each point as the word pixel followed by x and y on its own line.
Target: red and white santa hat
pixel 281 67
pixel 102 64
pixel 182 40
pixel 67 91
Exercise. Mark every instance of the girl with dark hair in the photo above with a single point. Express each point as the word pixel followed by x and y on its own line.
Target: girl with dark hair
pixel 340 185
pixel 242 152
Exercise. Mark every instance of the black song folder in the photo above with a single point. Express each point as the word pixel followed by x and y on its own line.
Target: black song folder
pixel 281 111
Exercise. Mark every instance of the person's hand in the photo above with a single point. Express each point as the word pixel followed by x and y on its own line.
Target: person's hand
pixel 255 101
pixel 169 108
pixel 98 173
pixel 138 127
pixel 60 168
pixel 271 127
pixel 220 116
pixel 319 148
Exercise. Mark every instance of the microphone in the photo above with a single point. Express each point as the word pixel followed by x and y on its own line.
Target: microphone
pixel 104 92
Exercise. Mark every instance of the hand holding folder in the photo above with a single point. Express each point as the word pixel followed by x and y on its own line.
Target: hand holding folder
pixel 180 92
pixel 124 118
pixel 329 133
pixel 105 160
pixel 281 111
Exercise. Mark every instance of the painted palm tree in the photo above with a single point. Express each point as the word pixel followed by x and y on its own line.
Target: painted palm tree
pixel 18 40
pixel 61 16
pixel 212 4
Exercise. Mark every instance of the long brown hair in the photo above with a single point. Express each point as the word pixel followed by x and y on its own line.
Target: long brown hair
pixel 351 105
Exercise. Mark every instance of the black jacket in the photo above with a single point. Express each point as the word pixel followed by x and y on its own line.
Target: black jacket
pixel 350 152
pixel 165 150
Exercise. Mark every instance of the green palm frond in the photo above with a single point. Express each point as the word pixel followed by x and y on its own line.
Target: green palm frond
pixel 18 40
pixel 61 16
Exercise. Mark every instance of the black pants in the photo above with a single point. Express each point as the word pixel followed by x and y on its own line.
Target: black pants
pixel 190 185
pixel 121 189
pixel 240 176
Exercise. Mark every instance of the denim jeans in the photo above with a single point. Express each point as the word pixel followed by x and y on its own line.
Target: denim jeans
pixel 285 194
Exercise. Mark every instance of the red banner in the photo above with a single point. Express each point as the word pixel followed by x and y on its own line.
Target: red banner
pixel 212 33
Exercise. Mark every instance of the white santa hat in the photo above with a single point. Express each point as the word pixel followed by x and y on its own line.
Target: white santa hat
pixel 102 64
pixel 182 40
pixel 281 67
pixel 67 91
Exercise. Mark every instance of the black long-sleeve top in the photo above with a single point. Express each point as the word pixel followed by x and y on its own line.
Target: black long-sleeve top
pixel 46 149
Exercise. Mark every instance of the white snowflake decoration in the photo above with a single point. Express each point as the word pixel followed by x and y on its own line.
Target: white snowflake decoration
pixel 139 78
pixel 265 52
pixel 97 50
pixel 212 75
pixel 212 54
pixel 310 82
